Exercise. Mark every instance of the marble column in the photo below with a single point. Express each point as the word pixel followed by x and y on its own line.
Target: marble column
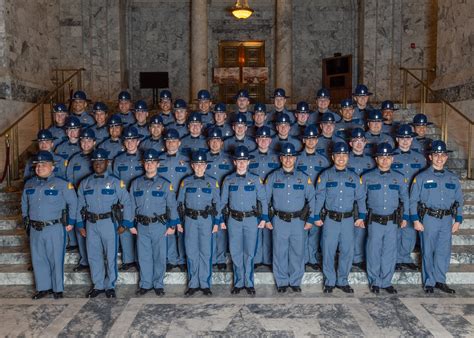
pixel 199 43
pixel 283 46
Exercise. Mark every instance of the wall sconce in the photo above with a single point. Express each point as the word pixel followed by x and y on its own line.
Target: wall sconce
pixel 242 11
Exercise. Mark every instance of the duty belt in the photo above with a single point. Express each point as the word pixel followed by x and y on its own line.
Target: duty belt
pixel 383 219
pixel 240 215
pixel 288 216
pixel 339 216
pixel 39 225
pixel 194 214
pixel 146 220
pixel 438 213
pixel 93 218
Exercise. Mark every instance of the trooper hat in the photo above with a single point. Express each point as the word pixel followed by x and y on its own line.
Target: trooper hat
pixel 375 116
pixel 283 118
pixel 151 155
pixel 99 106
pixel 259 108
pixel 141 105
pixel 198 156
pixel 100 154
pixel 60 108
pixel 242 153
pixel 405 131
pixel 340 148
pixel 72 122
pixel 388 105
pixel 171 134
pixel 240 119
pixel 439 146
pixel 242 93
pixel 44 135
pixel 215 133
pixel 114 120
pixel 43 156
pixel 310 131
pixel 288 149
pixel 328 118
pixel 347 103
pixel 357 133
pixel 203 94
pixel 79 95
pixel 303 107
pixel 156 119
pixel 220 108
pixel 130 133
pixel 384 149
pixel 421 120
pixel 165 95
pixel 87 133
pixel 361 90
pixel 279 92
pixel 263 131
pixel 124 96
pixel 323 93
pixel 194 117
pixel 180 104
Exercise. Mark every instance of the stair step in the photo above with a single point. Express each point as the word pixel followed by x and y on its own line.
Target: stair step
pixel 9 222
pixel 18 275
pixel 13 237
pixel 10 196
pixel 10 208
pixel 463 237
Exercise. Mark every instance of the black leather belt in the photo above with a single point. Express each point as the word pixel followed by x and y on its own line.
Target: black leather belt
pixel 339 216
pixel 438 213
pixel 93 218
pixel 39 225
pixel 288 216
pixel 146 220
pixel 383 219
pixel 194 214
pixel 240 215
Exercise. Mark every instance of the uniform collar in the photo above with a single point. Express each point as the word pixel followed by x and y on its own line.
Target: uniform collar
pixel 288 173
pixel 238 175
pixel 384 172
pixel 198 178
pixel 340 170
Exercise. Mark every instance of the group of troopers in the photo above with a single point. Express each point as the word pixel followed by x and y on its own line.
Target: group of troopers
pixel 279 188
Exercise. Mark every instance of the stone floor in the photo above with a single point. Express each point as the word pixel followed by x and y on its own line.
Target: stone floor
pixel 311 313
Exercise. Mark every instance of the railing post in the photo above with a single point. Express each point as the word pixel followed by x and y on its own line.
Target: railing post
pixel 41 121
pixel 404 91
pixel 423 99
pixel 444 122
pixel 469 154
pixel 14 153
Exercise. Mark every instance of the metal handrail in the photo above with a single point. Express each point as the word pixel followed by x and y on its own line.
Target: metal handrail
pixel 425 88
pixel 11 132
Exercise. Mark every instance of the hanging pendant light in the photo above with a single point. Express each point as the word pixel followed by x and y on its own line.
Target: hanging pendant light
pixel 242 11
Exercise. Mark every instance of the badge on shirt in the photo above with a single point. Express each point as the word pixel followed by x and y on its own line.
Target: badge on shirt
pixel 109 185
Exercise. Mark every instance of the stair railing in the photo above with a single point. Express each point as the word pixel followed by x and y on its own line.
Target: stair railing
pixel 447 107
pixel 60 93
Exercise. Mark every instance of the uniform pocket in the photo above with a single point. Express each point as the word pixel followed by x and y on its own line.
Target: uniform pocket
pixel 350 185
pixel 108 191
pixel 431 185
pixel 331 184
pixel 233 187
pixel 278 185
pixel 157 193
pixel 298 187
pixel 51 192
pixel 394 186
pixel 249 188
pixel 138 193
pixel 206 190
pixel 374 187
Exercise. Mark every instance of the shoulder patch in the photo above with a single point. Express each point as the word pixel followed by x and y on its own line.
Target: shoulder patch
pixel 70 186
pixel 182 183
pixel 319 179
pixel 414 180
pixel 261 181
pixel 122 184
pixel 360 179
pixel 66 163
pixel 217 184
pixel 171 187
pixel 309 180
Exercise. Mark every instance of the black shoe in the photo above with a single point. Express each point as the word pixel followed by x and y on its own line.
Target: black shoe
pixel 391 290
pixel 71 248
pixel 429 289
pixel 30 268
pixel 235 290
pixel 328 289
pixel 251 291
pixel 182 267
pixel 128 266
pixel 159 292
pixel 295 288
pixel 170 267
pixel 314 266
pixel 191 291
pixel 443 287
pixel 58 295
pixel 345 288
pixel 221 266
pixel 398 267
pixel 257 265
pixel 41 294
pixel 206 292
pixel 282 289
pixel 94 293
pixel 81 267
pixel 375 289
pixel 360 266
pixel 141 291
pixel 410 266
pixel 110 293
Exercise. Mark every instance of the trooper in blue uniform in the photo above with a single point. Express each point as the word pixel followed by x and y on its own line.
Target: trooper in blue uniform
pixel 125 108
pixel 323 100
pixel 263 161
pixel 244 196
pixel 290 192
pixel 79 167
pixel 389 126
pixel 240 138
pixel 141 116
pixel 374 134
pixel 98 222
pixel 312 163
pixel 204 105
pixel 113 144
pixel 361 97
pixel 180 118
pixel 220 165
pixel 70 146
pixel 302 114
pixel 279 102
pixel 259 118
pixel 60 114
pixel 407 162
pixel 242 101
pixel 347 122
pixel 436 204
pixel 165 107
pixel 359 163
pixel 155 140
pixel 283 127
pixel 156 216
pixel 45 201
pixel 174 166
pixel 421 143
pixel 336 192
pixel 79 105
pixel 126 167
pixel 195 140
pixel 220 120
pixel 328 134
pixel 200 205
pixel 385 189
pixel 45 140
pixel 100 128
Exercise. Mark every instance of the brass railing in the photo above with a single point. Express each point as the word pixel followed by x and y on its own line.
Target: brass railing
pixel 64 85
pixel 425 90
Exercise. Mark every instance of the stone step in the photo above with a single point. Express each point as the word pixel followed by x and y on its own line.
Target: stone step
pixel 463 237
pixel 9 222
pixel 10 196
pixel 18 275
pixel 13 237
pixel 10 208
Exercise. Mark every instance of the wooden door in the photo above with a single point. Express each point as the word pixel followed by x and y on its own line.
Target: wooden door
pixel 241 54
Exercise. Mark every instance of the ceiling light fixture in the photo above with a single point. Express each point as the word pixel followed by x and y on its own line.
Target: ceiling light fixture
pixel 242 11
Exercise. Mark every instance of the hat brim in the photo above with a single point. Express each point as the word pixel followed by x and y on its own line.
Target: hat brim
pixel 367 94
pixel 49 139
pixel 250 157
pixel 286 97
pixel 440 152
pixel 384 154
pixel 422 124
pixel 286 154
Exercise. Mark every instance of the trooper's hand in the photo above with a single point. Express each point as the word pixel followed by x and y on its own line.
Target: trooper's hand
pixel 69 227
pixel 418 226
pixel 403 224
pixel 319 223
pixel 170 231
pixel 307 226
pixel 223 226
pixel 269 225
pixel 360 223
pixel 455 227
pixel 261 225
pixel 215 228
pixel 133 231
pixel 180 228
pixel 82 231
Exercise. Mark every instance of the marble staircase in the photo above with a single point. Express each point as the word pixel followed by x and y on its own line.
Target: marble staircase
pixel 15 256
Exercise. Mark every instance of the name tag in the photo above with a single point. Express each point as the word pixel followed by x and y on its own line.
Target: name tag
pixel 30 191
pixel 224 166
pixel 162 169
pixel 88 192
pixel 122 168
pixel 191 190
pixel 273 165
pixel 180 169
pixel 415 165
pixel 430 185
pixel 253 165
pixel 138 168
pixel 397 165
pixel 76 168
